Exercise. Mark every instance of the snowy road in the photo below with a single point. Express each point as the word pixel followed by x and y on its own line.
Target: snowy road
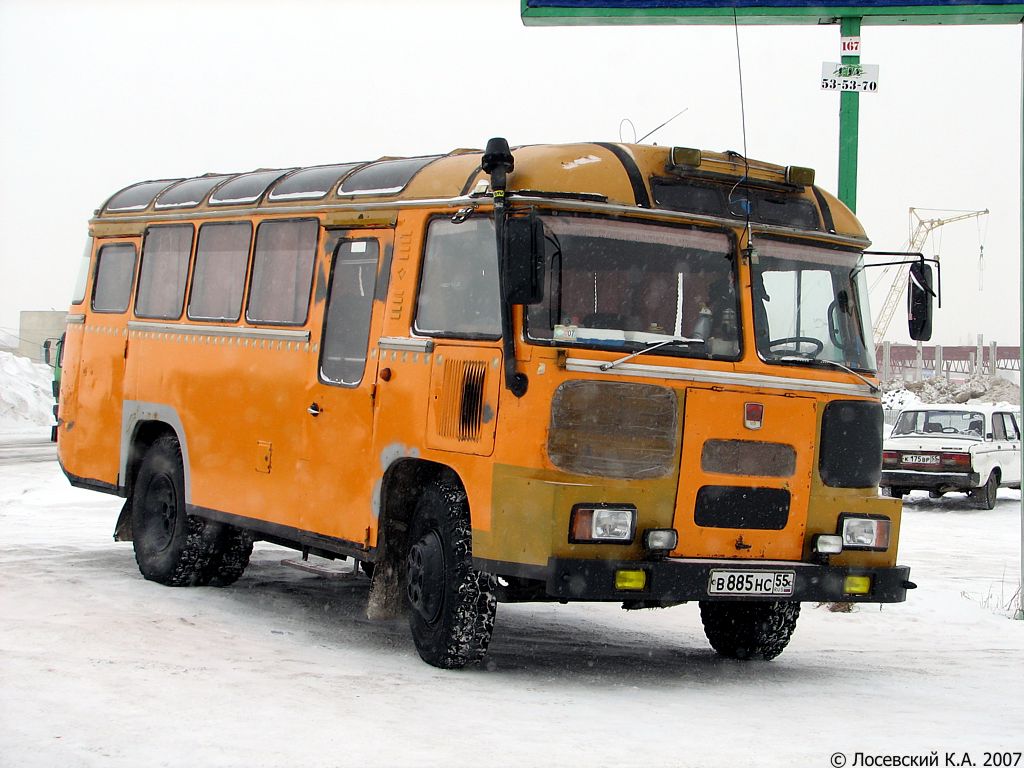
pixel 99 667
pixel 17 449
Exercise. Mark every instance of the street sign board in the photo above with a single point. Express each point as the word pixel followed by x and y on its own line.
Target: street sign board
pixel 872 12
pixel 862 78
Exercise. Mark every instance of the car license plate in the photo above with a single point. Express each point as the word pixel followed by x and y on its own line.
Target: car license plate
pixel 920 458
pixel 751 583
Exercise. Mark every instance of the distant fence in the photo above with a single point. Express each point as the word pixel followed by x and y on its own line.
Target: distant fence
pixel 916 362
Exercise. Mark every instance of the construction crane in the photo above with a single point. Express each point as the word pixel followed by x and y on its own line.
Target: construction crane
pixel 921 230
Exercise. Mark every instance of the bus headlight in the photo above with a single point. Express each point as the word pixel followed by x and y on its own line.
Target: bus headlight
pixel 602 524
pixel 865 532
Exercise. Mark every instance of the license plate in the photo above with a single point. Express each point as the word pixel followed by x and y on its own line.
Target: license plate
pixel 751 583
pixel 920 458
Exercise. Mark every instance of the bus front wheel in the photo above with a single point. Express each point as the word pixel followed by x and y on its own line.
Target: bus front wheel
pixel 451 605
pixel 749 630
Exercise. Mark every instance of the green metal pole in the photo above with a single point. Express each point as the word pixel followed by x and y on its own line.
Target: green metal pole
pixel 849 117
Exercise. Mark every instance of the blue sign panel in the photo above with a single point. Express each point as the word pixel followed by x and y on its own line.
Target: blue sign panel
pixel 771 11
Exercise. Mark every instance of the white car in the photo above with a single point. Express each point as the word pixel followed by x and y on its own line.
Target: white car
pixel 941 448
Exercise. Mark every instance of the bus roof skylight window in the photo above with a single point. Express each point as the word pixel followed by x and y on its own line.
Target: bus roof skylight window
pixel 188 193
pixel 138 196
pixel 310 183
pixel 384 177
pixel 247 188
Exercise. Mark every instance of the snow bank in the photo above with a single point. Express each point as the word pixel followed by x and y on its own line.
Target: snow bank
pixel 26 395
pixel 899 398
pixel 7 341
pixel 981 389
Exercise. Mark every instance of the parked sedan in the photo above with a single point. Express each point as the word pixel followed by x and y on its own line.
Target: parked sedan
pixel 942 448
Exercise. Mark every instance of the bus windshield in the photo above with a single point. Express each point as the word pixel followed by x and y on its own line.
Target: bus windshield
pixel 811 303
pixel 630 285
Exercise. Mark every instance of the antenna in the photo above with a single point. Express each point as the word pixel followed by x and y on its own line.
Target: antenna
pixel 649 133
pixel 749 250
pixel 739 69
pixel 622 124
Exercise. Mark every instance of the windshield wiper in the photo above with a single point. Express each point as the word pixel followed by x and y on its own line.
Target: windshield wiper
pixel 653 345
pixel 817 361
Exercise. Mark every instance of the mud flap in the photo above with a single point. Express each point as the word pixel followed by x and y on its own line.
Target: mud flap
pixel 123 527
pixel 386 600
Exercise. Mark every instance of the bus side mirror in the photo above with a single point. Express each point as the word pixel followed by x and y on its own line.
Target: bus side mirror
pixel 46 351
pixel 919 301
pixel 524 260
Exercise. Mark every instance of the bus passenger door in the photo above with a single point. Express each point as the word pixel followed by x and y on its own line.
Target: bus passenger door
pixel 94 387
pixel 339 413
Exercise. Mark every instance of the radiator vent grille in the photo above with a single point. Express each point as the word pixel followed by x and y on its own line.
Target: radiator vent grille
pixel 461 410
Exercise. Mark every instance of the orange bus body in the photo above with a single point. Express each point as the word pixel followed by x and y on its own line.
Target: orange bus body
pixel 735 457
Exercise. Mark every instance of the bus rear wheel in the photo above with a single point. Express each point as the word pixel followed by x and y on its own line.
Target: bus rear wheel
pixel 749 630
pixel 229 555
pixel 171 547
pixel 451 605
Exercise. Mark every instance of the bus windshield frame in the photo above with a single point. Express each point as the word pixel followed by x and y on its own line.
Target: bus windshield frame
pixel 626 284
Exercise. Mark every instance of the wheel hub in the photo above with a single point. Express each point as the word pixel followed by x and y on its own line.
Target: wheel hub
pixel 162 511
pixel 425 566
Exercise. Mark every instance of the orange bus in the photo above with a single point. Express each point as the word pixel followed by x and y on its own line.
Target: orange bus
pixel 581 372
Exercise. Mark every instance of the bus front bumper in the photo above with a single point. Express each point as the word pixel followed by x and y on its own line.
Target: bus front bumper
pixel 677 580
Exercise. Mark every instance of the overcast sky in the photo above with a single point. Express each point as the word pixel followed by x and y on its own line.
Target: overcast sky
pixel 96 95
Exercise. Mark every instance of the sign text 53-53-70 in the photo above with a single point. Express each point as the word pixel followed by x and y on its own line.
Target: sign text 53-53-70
pixel 849 77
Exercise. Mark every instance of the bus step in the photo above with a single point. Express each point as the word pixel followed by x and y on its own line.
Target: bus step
pixel 329 568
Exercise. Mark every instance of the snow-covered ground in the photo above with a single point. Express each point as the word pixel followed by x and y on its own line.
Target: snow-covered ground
pixel 99 667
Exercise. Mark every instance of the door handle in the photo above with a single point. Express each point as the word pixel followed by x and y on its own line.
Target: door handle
pixel 314 410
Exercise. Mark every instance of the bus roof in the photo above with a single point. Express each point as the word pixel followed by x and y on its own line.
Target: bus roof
pixel 630 175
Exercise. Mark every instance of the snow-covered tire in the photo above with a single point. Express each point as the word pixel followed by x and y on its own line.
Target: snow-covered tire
pixel 229 556
pixel 171 547
pixel 749 630
pixel 985 496
pixel 451 605
pixel 895 493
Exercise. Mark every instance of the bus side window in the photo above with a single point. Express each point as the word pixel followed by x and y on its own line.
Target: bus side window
pixel 115 271
pixel 164 272
pixel 459 293
pixel 349 306
pixel 218 281
pixel 282 272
